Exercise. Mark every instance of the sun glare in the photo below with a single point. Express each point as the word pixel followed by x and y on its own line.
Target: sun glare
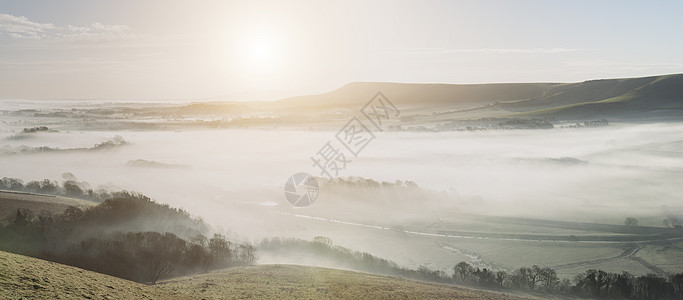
pixel 260 54
pixel 260 51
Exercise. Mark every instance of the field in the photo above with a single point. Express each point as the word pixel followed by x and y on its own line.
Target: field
pixel 499 243
pixel 506 243
pixel 11 201
pixel 23 277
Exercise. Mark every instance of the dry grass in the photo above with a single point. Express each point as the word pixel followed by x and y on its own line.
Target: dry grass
pixel 303 282
pixel 24 277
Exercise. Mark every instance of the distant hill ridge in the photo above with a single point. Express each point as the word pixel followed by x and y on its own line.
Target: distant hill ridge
pixel 659 97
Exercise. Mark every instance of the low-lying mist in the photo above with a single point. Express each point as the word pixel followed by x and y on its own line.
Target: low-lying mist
pixel 622 167
pixel 233 179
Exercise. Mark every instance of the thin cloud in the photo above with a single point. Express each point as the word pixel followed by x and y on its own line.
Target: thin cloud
pixel 489 50
pixel 23 28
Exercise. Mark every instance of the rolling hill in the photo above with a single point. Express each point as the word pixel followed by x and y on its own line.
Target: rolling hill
pixel 357 94
pixel 646 98
pixel 659 97
pixel 304 282
pixel 24 277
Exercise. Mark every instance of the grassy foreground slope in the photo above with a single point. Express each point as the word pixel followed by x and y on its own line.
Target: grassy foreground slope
pixel 303 282
pixel 23 277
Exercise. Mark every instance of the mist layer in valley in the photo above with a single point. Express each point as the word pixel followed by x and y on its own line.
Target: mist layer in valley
pixel 417 198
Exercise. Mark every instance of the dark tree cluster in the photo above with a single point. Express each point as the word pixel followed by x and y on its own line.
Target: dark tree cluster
pixel 111 143
pixel 35 129
pixel 601 284
pixel 533 278
pixel 149 256
pixel 592 283
pixel 26 132
pixel 115 142
pixel 128 236
pixel 70 188
pixel 368 183
pixel 398 193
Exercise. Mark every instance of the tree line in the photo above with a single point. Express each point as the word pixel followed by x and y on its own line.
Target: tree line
pixel 149 256
pixel 544 280
pixel 70 188
pixel 591 283
pixel 326 253
pixel 128 236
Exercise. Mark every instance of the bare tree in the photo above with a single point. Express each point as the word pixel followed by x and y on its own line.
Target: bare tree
pixel 549 279
pixel 157 266
pixel 462 272
pixel 631 221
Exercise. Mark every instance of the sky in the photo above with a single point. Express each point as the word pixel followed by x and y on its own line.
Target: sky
pixel 266 50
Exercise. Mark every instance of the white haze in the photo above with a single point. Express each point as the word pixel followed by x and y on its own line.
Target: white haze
pixel 236 177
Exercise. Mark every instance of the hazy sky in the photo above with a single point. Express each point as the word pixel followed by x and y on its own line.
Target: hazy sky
pixel 266 50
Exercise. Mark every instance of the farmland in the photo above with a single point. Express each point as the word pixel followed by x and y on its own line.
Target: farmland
pixel 507 243
pixel 10 201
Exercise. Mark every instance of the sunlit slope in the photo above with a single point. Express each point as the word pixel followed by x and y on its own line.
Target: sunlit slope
pixel 658 97
pixel 628 98
pixel 303 282
pixel 30 278
pixel 24 277
pixel 582 92
pixel 410 95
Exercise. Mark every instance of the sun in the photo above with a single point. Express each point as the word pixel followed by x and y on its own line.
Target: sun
pixel 255 52
pixel 260 51
pixel 260 54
